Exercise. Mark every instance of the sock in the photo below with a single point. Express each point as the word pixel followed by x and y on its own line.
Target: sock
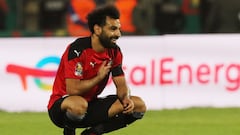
pixel 69 131
pixel 133 117
pixel 117 122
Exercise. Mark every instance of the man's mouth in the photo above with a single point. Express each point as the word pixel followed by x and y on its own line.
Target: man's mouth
pixel 114 40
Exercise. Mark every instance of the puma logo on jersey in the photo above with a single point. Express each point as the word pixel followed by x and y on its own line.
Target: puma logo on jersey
pixel 92 64
pixel 77 53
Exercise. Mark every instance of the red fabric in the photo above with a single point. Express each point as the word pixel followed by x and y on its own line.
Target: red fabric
pixel 187 9
pixel 90 62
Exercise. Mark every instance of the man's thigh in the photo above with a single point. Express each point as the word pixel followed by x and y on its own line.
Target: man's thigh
pixel 98 110
pixel 56 114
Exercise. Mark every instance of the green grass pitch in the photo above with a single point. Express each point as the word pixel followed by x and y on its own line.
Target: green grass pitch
pixel 192 121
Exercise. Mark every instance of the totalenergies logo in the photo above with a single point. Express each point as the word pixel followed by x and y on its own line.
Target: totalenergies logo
pixel 163 72
pixel 38 72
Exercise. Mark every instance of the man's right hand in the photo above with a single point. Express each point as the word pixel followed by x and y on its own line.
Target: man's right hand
pixel 103 70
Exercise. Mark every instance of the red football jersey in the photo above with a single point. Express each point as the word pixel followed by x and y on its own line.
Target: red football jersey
pixel 80 61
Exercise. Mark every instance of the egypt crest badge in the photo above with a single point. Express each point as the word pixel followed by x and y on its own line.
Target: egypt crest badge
pixel 78 69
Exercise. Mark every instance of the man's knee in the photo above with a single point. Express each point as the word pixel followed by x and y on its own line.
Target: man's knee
pixel 75 105
pixel 139 104
pixel 75 108
pixel 115 109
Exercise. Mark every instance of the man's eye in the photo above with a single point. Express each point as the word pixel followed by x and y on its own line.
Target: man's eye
pixel 113 28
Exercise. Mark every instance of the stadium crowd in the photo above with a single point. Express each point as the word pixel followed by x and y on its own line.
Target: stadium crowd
pixel 138 17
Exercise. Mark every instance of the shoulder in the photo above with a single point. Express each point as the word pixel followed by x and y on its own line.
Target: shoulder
pixel 76 47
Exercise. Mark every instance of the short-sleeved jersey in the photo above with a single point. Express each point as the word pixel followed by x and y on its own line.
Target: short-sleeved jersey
pixel 80 61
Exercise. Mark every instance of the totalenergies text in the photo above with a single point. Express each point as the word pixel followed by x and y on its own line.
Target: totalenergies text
pixel 168 71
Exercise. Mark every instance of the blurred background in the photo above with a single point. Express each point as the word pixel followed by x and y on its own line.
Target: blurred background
pixel 34 18
pixel 195 66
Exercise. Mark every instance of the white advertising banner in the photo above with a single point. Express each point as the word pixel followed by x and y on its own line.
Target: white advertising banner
pixel 172 71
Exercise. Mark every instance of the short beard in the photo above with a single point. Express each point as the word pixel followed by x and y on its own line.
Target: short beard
pixel 106 42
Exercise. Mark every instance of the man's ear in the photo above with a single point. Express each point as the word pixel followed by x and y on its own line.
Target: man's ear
pixel 97 29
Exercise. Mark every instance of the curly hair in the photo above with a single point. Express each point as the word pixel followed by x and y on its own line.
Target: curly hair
pixel 98 16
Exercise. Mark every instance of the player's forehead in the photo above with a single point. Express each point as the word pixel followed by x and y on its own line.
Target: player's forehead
pixel 111 22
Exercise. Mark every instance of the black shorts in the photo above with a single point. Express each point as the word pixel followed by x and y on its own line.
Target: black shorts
pixel 97 112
